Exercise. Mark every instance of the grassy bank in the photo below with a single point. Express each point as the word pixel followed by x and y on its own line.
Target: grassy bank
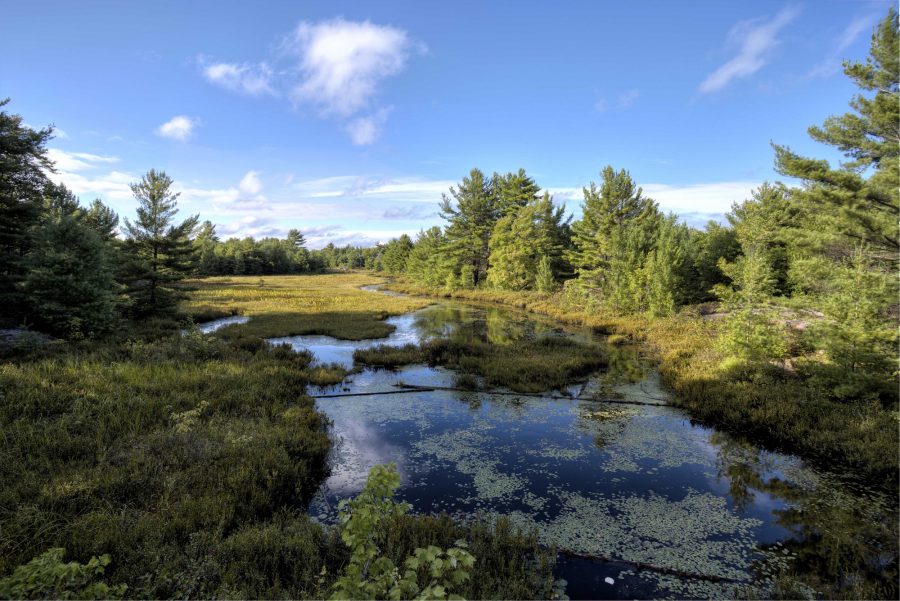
pixel 329 304
pixel 771 406
pixel 190 460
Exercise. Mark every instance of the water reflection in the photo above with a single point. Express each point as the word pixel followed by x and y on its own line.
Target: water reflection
pixel 638 483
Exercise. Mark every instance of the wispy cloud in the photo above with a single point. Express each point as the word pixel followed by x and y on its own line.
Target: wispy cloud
pixel 77 161
pixel 250 183
pixel 832 64
pixel 624 101
pixel 755 39
pixel 246 78
pixel 179 128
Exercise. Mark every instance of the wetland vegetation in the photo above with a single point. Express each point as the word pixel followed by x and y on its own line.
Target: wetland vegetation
pixel 188 417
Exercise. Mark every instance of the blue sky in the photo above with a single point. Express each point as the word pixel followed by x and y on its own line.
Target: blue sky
pixel 349 119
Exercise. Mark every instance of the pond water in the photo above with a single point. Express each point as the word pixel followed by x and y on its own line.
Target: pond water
pixel 632 483
pixel 211 326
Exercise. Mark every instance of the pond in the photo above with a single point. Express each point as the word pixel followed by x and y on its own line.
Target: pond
pixel 636 484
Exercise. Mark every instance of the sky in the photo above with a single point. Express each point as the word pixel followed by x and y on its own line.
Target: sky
pixel 348 120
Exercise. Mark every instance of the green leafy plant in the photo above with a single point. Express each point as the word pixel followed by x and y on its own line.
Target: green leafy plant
pixel 48 577
pixel 430 573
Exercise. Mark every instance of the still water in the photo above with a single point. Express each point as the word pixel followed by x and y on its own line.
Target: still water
pixel 631 483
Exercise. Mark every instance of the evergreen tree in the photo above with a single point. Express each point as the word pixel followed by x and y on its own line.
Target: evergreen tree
pixel 666 268
pixel 69 283
pixel 161 251
pixel 471 210
pixel 707 248
pixel 23 163
pixel 59 201
pixel 102 220
pixel 543 279
pixel 521 240
pixel 858 202
pixel 205 244
pixel 514 191
pixel 427 262
pixel 616 203
pixel 396 254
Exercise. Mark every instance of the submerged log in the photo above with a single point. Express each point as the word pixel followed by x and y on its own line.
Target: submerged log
pixel 640 565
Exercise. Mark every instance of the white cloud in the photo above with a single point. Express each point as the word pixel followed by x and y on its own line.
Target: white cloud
pixel 709 200
pixel 365 130
pixel 76 161
pixel 756 40
pixel 254 80
pixel 832 65
pixel 404 189
pixel 178 128
pixel 250 184
pixel 344 62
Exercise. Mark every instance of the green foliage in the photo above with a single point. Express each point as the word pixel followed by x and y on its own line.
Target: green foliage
pixel 471 210
pixel 860 346
pixel 605 211
pixel 160 251
pixel 430 573
pixel 543 277
pixel 69 282
pixel 396 254
pixel 521 240
pixel 47 577
pixel 23 163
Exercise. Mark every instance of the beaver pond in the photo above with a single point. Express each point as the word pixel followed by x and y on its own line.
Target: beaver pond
pixel 641 501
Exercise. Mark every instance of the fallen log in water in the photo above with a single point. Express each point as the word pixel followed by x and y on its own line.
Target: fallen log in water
pixel 527 394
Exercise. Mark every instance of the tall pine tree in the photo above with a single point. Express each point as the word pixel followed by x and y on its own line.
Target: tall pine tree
pixel 471 210
pixel 161 250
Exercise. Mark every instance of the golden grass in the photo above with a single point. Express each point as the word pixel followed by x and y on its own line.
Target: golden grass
pixel 330 304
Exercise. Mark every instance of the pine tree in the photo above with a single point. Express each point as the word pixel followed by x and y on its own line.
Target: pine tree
pixel 428 263
pixel 69 282
pixel 23 163
pixel 471 211
pixel 161 251
pixel 520 240
pixel 396 254
pixel 514 191
pixel 102 220
pixel 617 202
pixel 858 203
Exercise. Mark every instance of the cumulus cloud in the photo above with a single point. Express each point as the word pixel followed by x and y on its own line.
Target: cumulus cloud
pixel 337 67
pixel 755 39
pixel 343 63
pixel 365 130
pixel 178 128
pixel 250 184
pixel 246 78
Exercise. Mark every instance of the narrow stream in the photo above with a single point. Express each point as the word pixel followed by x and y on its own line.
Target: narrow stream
pixel 637 483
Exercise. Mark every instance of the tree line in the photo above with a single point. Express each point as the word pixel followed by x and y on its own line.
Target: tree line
pixel 806 270
pixel 826 248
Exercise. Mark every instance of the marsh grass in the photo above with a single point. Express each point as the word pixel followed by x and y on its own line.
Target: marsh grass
pixel 528 365
pixel 330 304
pixel 190 459
pixel 772 406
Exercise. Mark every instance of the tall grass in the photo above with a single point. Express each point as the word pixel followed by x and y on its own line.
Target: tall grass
pixel 330 304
